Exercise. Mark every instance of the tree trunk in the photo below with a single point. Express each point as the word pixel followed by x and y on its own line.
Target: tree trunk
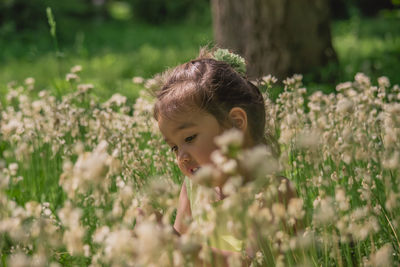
pixel 278 37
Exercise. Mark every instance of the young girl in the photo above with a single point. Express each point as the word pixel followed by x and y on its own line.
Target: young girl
pixel 198 102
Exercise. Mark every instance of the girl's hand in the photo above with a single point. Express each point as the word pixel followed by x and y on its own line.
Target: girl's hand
pixel 183 212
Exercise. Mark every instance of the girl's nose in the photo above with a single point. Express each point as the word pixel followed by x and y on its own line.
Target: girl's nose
pixel 183 156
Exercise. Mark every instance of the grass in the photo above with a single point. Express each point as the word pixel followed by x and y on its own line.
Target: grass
pixel 141 149
pixel 370 46
pixel 113 52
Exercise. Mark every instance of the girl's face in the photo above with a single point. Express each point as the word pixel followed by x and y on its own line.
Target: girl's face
pixel 191 137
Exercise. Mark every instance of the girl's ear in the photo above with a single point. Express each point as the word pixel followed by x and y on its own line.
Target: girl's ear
pixel 238 117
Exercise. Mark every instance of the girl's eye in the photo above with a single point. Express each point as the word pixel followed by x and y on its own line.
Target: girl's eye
pixel 174 149
pixel 190 138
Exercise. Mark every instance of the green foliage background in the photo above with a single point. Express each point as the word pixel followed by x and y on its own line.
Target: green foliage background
pixel 117 40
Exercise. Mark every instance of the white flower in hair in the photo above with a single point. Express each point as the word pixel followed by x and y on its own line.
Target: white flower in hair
pixel 237 62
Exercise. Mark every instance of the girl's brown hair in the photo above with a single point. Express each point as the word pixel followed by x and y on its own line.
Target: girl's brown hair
pixel 215 87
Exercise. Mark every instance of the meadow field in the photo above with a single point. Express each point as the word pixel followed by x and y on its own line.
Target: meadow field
pixel 87 180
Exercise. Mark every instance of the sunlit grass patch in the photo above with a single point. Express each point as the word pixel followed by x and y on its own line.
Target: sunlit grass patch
pixel 85 181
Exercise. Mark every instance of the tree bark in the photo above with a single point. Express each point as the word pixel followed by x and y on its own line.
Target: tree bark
pixel 278 37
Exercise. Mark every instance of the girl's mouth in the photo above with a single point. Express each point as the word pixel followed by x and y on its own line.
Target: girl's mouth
pixel 194 170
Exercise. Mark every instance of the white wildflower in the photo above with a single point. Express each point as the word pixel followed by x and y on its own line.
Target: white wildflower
pixel 344 105
pixel 278 209
pixel 382 257
pixel 33 208
pixel 76 69
pixel 116 99
pixel 13 168
pixel 295 208
pixel 383 81
pixel 30 83
pixel 138 80
pixel 309 139
pixel 269 79
pixel 150 83
pixel 72 77
pixel 232 137
pixel 100 234
pixel 118 246
pixel 362 79
pixel 260 161
pixel 73 239
pixel 392 162
pixel 83 88
pixel 229 167
pixel 148 238
pixel 325 213
pixel 19 260
pixel 206 175
pixel 344 86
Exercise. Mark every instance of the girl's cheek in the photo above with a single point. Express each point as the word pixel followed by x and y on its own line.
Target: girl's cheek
pixel 183 170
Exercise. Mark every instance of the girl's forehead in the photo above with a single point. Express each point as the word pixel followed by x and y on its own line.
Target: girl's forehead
pixel 180 117
pixel 182 113
pixel 183 120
